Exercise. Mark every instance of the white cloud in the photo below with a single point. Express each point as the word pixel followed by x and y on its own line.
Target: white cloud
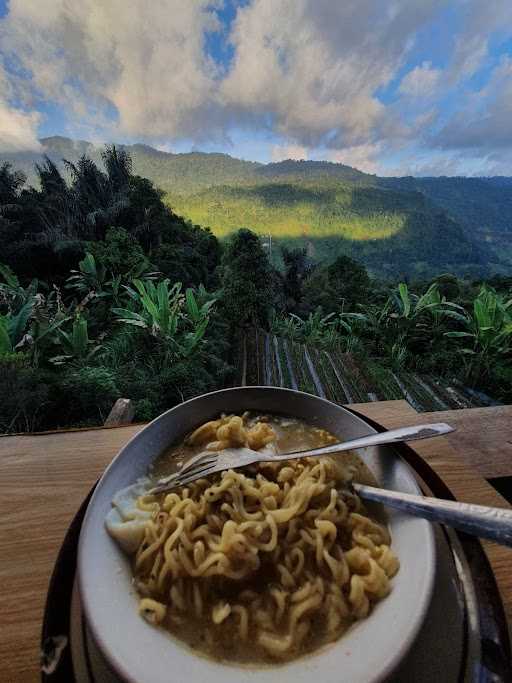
pixel 284 152
pixel 363 157
pixel 18 129
pixel 306 69
pixel 306 73
pixel 422 81
pixel 145 61
pixel 422 164
pixel 485 122
pixel 312 67
pixel 481 19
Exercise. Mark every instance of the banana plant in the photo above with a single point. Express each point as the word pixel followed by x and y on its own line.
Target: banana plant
pixel 91 277
pixel 198 307
pixel 176 320
pixel 13 326
pixel 488 331
pixel 199 316
pixel 12 294
pixel 315 328
pixel 371 318
pixel 76 344
pixel 29 324
pixel 158 306
pixel 409 306
pixel 288 326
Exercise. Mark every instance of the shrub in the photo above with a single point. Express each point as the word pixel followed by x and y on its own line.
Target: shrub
pixel 119 253
pixel 87 394
pixel 24 395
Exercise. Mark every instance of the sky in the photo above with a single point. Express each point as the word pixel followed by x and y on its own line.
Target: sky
pixel 393 87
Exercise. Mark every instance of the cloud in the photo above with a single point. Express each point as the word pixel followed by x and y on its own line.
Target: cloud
pixel 305 69
pixel 306 76
pixel 18 129
pixel 422 81
pixel 485 123
pixel 312 68
pixel 283 152
pixel 142 64
pixel 480 22
pixel 426 165
pixel 363 157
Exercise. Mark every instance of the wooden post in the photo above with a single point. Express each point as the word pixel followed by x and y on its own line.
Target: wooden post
pixel 121 414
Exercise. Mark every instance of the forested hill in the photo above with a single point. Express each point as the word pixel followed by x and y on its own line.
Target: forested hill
pixel 171 172
pixel 397 226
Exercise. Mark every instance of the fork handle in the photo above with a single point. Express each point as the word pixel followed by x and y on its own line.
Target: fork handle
pixel 478 520
pixel 391 436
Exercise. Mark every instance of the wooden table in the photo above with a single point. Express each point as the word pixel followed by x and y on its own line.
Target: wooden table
pixel 44 478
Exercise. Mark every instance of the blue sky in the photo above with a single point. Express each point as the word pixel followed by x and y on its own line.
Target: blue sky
pixel 405 87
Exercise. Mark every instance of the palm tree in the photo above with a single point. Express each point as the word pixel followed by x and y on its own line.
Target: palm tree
pixel 57 206
pixel 99 201
pixel 10 184
pixel 118 164
pixel 11 214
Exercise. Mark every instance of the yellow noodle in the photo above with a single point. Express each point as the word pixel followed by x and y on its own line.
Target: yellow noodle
pixel 263 555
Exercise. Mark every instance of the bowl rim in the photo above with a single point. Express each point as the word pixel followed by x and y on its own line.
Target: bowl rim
pixel 118 665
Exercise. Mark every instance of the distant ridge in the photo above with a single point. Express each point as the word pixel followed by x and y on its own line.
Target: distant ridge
pixel 416 227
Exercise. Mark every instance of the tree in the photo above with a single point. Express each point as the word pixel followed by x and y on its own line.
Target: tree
pixel 10 225
pixel 337 287
pixel 297 267
pixel 11 183
pixel 247 295
pixel 119 253
pixel 448 285
pixel 118 165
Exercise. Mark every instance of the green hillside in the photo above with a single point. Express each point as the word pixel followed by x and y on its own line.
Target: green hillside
pixel 391 232
pixel 483 206
pixel 409 226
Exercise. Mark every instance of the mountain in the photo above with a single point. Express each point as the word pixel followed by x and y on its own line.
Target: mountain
pixel 415 227
pixel 483 206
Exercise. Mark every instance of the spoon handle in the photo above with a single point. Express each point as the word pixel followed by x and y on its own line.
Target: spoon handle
pixel 478 520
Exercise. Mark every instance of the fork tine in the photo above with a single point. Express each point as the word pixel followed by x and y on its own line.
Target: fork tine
pixel 190 471
pixel 189 478
pixel 180 480
pixel 198 461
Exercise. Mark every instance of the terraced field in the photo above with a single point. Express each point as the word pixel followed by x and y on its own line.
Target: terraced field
pixel 264 359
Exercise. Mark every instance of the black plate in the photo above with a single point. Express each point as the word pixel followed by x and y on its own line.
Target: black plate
pixel 487 646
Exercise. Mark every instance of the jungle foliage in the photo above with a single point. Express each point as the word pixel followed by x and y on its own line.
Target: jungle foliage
pixel 106 292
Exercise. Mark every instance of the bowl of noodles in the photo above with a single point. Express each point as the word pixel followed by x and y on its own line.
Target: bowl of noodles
pixel 272 569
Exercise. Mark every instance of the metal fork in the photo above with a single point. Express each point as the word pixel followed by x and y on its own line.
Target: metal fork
pixel 479 520
pixel 208 462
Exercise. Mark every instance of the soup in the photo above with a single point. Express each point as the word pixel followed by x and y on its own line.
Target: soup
pixel 264 563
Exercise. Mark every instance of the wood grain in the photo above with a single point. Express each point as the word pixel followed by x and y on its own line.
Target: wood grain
pixel 483 437
pixel 44 478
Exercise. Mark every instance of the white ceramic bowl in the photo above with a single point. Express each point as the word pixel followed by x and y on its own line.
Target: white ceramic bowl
pixel 140 653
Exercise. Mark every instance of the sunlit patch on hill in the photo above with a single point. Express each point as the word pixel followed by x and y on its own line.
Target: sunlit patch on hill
pixel 289 211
